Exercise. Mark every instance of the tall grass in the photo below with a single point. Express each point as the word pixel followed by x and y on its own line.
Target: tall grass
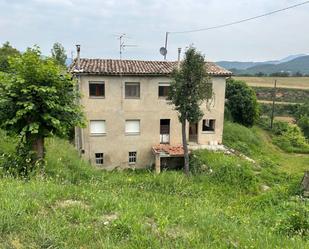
pixel 76 206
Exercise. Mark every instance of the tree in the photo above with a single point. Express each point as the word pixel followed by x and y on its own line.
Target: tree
pixel 242 102
pixel 187 91
pixel 58 53
pixel 37 100
pixel 5 52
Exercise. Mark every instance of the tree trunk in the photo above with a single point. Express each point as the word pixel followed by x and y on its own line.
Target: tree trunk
pixel 185 147
pixel 36 144
pixel 38 147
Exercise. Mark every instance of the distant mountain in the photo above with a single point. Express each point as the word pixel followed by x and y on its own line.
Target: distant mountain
pixel 300 64
pixel 237 65
pixel 291 64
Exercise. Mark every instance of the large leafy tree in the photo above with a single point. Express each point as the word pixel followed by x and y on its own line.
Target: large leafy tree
pixel 242 102
pixel 59 54
pixel 37 100
pixel 5 52
pixel 188 89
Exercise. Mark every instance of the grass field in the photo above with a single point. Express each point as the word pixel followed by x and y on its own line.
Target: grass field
pixel 283 82
pixel 76 206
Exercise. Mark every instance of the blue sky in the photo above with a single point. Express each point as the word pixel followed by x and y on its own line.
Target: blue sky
pixel 94 24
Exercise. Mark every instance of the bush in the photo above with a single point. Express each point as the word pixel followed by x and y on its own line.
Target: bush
pixel 303 123
pixel 290 138
pixel 242 102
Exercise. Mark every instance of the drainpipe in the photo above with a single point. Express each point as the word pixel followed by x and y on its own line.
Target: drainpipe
pixel 178 59
pixel 78 130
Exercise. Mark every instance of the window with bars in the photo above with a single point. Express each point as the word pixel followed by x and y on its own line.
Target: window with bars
pixel 132 157
pixel 132 90
pixel 99 158
pixel 209 125
pixel 97 89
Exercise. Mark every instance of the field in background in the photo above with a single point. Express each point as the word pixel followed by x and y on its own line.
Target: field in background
pixel 284 82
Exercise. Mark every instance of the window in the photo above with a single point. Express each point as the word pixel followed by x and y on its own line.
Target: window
pixel 97 127
pixel 164 131
pixel 209 124
pixel 132 127
pixel 132 90
pixel 164 90
pixel 96 89
pixel 132 157
pixel 99 158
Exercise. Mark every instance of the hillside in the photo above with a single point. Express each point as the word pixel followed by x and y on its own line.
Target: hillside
pixel 292 64
pixel 76 206
pixel 300 64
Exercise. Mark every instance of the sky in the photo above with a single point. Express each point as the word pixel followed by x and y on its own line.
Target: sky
pixel 95 25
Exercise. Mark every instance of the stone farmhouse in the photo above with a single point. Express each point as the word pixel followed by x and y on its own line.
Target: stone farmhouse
pixel 130 123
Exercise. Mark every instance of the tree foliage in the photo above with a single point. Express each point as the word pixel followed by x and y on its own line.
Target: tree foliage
pixel 59 54
pixel 37 100
pixel 187 91
pixel 5 52
pixel 302 118
pixel 242 102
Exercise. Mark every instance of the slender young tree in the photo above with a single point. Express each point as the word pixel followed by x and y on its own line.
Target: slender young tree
pixel 187 92
pixel 37 100
pixel 58 53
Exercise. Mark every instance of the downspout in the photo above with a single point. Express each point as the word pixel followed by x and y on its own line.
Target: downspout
pixel 79 143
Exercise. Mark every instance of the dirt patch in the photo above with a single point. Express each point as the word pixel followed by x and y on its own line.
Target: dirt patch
pixel 71 203
pixel 106 219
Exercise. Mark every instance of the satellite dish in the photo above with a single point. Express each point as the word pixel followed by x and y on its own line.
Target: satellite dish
pixel 163 51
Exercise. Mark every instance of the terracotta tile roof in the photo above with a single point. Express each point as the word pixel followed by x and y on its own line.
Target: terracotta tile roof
pixel 135 67
pixel 168 149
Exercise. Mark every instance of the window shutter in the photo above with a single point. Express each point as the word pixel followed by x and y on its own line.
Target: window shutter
pixel 132 126
pixel 97 127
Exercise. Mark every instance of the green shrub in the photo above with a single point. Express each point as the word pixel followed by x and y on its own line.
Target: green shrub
pixel 242 102
pixel 303 123
pixel 290 138
pixel 279 127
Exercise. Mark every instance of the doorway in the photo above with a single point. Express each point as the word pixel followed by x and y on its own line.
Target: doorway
pixel 193 131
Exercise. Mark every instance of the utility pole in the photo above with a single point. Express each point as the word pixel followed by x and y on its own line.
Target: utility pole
pixel 166 38
pixel 273 107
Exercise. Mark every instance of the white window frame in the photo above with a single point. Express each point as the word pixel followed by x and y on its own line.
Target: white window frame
pixel 132 157
pixel 101 157
pixel 137 132
pixel 103 133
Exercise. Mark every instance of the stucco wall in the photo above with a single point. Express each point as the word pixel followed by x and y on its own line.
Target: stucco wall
pixel 149 109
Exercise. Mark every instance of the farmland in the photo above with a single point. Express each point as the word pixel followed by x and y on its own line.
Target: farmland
pixel 282 82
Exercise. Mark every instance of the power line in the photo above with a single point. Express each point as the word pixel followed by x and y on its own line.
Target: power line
pixel 240 21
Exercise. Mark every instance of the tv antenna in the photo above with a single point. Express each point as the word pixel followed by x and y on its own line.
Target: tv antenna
pixel 122 44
